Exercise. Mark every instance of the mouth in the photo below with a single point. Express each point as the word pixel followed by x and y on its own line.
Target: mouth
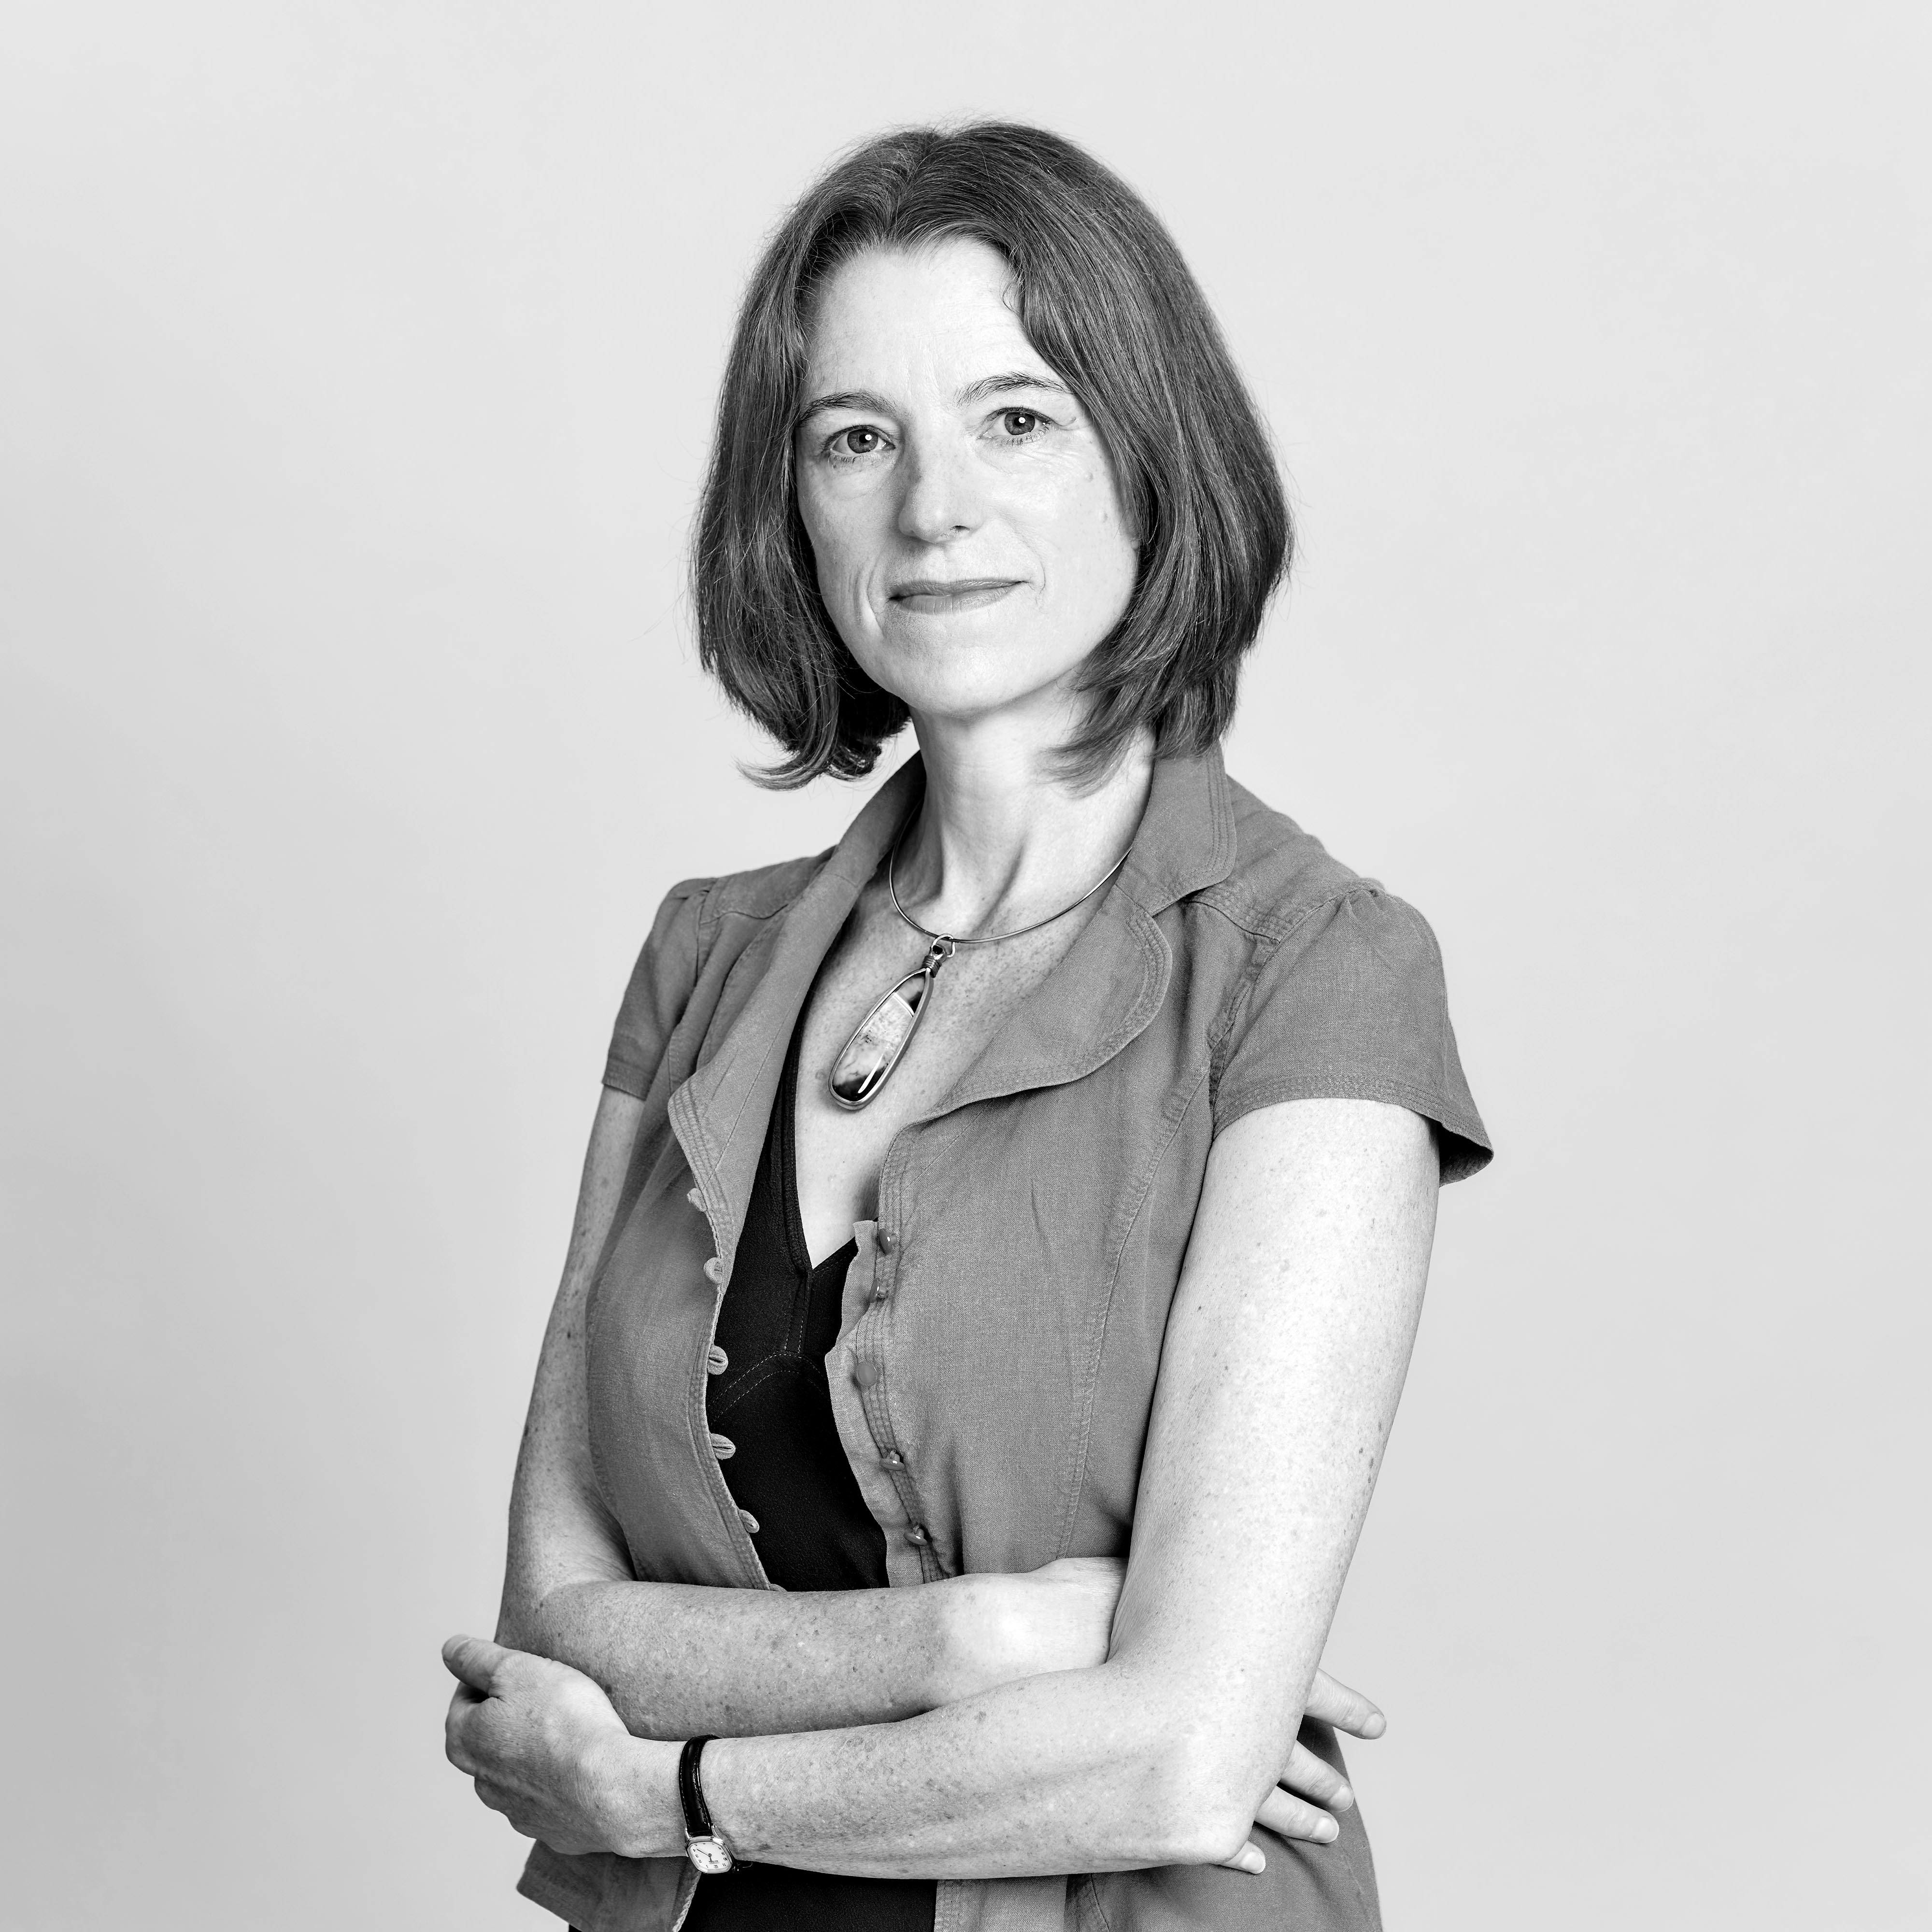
pixel 935 597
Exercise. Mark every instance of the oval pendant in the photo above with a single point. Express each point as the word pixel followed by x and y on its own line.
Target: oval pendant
pixel 866 1061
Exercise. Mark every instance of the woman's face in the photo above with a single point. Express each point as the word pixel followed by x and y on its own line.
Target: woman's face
pixel 969 539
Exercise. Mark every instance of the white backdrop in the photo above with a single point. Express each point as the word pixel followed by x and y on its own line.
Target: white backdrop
pixel 356 365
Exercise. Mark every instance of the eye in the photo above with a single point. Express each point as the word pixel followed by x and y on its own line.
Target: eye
pixel 1019 424
pixel 859 440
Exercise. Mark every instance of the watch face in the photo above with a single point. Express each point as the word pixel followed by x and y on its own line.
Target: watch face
pixel 710 1855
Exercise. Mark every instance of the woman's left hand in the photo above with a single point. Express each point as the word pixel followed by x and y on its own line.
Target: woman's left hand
pixel 1294 1808
pixel 548 1751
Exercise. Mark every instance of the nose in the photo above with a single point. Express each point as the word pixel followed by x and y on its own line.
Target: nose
pixel 940 496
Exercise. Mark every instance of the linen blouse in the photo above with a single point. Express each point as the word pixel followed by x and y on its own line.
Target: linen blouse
pixel 1002 1319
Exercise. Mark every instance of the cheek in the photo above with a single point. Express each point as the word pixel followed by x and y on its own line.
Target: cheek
pixel 1097 551
pixel 843 544
pixel 843 556
pixel 827 539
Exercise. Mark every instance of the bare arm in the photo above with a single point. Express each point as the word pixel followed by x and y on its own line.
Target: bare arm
pixel 676 1659
pixel 1285 1356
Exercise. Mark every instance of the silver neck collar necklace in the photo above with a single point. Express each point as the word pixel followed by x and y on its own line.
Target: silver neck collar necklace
pixel 868 1060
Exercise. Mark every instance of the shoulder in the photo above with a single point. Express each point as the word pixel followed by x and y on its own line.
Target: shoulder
pixel 763 892
pixel 702 927
pixel 697 913
pixel 1283 879
pixel 1343 994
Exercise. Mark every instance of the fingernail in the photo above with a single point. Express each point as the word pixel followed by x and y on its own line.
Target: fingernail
pixel 1329 1831
pixel 1342 1799
pixel 1252 1860
pixel 1375 1726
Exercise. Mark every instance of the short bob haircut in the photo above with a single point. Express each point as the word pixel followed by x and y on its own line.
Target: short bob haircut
pixel 1102 293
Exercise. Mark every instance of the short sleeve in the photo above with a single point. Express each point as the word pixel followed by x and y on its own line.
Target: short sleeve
pixel 659 989
pixel 1350 1003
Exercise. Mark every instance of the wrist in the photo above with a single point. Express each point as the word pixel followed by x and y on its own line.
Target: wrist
pixel 635 1780
pixel 978 1641
pixel 736 1794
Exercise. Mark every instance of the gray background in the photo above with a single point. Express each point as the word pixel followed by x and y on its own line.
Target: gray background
pixel 355 364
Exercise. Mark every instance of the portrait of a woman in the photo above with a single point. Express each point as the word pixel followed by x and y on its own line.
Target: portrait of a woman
pixel 1003 1235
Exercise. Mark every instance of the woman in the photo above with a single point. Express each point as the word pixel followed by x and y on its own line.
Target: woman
pixel 1040 1181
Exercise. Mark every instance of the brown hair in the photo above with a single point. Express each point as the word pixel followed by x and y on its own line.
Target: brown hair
pixel 1105 298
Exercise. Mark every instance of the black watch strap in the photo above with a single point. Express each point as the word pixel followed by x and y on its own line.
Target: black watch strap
pixel 691 1793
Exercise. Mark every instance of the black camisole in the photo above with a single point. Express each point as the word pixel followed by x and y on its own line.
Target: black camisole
pixel 788 1471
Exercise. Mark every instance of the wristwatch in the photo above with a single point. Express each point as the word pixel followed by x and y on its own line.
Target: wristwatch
pixel 702 1845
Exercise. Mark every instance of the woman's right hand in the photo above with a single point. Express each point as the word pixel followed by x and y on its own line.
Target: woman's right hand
pixel 1059 1617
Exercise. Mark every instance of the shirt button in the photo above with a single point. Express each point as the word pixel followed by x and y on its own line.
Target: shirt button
pixel 892 1459
pixel 750 1521
pixel 715 1360
pixel 866 1373
pixel 714 1271
pixel 883 1241
pixel 880 1290
pixel 696 1199
pixel 918 1533
pixel 723 1447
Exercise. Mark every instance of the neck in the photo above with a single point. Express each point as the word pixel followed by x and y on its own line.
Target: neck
pixel 1002 839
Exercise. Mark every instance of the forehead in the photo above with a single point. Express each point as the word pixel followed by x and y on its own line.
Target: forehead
pixel 942 309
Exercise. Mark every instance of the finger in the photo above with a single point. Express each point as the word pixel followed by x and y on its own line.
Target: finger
pixel 507 1806
pixel 494 1795
pixel 1309 1777
pixel 462 1743
pixel 474 1659
pixel 1250 1859
pixel 1347 1710
pixel 475 1719
pixel 1281 1811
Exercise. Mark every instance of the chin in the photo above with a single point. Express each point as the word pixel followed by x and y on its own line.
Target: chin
pixel 960 677
pixel 968 701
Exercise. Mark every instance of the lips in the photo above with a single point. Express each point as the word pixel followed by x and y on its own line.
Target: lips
pixel 936 596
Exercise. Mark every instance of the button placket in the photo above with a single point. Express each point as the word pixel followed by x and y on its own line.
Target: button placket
pixel 868 1375
pixel 716 1361
pixel 875 1320
pixel 910 1505
pixel 868 1345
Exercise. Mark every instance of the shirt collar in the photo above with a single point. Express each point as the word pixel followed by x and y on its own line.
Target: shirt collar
pixel 1185 840
pixel 1098 999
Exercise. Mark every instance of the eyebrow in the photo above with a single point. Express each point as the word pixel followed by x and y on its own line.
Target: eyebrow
pixel 1014 379
pixel 973 392
pixel 845 399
